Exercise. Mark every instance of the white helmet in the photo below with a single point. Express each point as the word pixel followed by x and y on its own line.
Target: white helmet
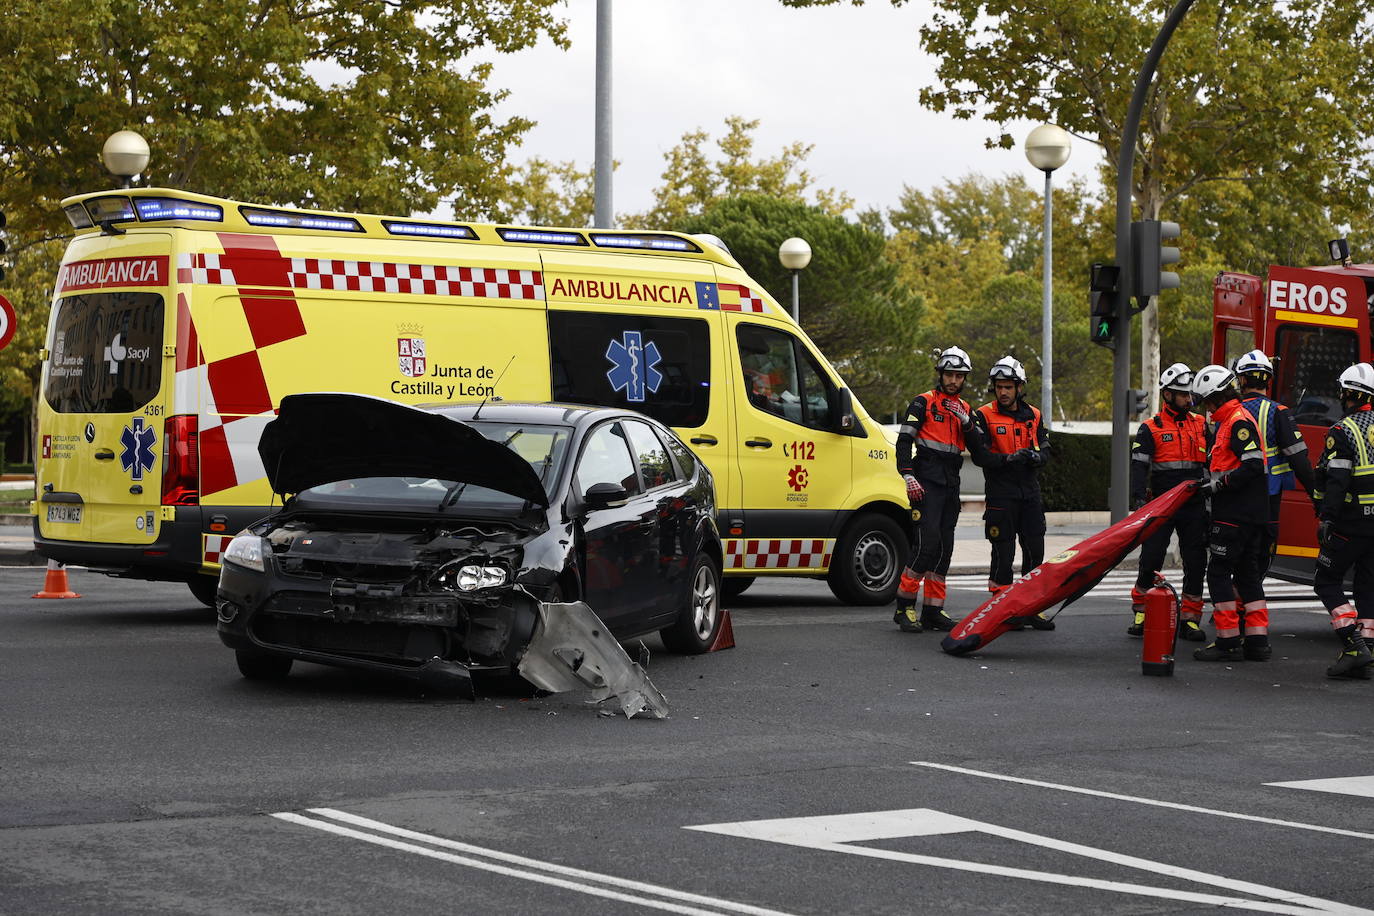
pixel 1008 367
pixel 1212 379
pixel 1254 362
pixel 1177 377
pixel 953 360
pixel 1359 378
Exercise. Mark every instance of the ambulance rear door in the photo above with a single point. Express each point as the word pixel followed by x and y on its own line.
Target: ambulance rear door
pixel 643 332
pixel 106 380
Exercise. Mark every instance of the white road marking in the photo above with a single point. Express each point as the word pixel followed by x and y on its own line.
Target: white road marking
pixel 1362 786
pixel 1144 801
pixel 836 833
pixel 530 870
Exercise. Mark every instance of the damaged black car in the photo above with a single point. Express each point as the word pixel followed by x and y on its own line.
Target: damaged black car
pixel 441 541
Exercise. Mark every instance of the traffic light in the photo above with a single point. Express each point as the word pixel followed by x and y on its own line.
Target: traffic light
pixel 1149 256
pixel 1102 294
pixel 1137 402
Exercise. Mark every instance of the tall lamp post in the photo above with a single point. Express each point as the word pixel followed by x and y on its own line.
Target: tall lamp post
pixel 125 155
pixel 795 254
pixel 1047 148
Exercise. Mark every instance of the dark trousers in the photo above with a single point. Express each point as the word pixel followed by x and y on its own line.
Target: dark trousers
pixel 1237 556
pixel 1190 523
pixel 933 521
pixel 1338 554
pixel 1007 522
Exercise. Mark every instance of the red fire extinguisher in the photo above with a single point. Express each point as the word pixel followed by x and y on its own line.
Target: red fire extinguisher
pixel 1161 631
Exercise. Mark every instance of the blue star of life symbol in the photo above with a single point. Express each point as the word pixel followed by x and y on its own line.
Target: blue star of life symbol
pixel 137 455
pixel 633 366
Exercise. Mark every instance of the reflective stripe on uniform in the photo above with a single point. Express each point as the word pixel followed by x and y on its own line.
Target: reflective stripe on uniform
pixel 940 446
pixel 1178 465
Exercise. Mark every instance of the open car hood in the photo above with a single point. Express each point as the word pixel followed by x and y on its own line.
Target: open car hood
pixel 322 438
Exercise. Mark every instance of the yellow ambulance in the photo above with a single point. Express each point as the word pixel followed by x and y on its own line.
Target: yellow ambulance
pixel 179 321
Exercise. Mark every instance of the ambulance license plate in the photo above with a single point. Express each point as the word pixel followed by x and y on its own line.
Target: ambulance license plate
pixel 63 512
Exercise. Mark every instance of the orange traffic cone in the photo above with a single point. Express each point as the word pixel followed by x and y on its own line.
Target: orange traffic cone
pixel 725 636
pixel 55 583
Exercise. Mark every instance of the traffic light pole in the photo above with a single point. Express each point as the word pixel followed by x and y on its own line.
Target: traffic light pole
pixel 1119 496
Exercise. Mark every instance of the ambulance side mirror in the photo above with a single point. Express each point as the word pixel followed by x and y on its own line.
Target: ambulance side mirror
pixel 846 422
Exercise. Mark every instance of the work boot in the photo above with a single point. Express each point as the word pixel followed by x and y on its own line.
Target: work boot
pixel 935 618
pixel 1355 658
pixel 906 617
pixel 1040 622
pixel 1137 627
pixel 1257 649
pixel 1225 649
pixel 1191 630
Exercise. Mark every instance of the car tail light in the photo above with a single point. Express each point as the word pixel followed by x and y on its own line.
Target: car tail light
pixel 181 470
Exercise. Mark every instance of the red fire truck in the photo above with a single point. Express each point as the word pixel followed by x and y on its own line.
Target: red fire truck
pixel 1313 322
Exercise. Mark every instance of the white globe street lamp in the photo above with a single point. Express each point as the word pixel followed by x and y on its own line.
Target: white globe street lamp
pixel 795 254
pixel 1047 148
pixel 125 155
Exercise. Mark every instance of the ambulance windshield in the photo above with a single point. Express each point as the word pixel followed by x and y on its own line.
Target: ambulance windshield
pixel 106 353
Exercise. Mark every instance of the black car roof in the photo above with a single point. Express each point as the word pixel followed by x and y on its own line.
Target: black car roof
pixel 574 415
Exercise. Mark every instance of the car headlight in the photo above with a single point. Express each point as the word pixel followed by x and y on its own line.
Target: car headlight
pixel 473 577
pixel 246 550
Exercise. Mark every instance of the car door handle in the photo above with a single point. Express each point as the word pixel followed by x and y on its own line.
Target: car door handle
pixel 703 440
pixel 104 454
pixel 759 443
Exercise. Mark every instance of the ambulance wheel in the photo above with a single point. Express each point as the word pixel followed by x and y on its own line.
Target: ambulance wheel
pixel 203 587
pixel 699 622
pixel 262 666
pixel 734 586
pixel 868 561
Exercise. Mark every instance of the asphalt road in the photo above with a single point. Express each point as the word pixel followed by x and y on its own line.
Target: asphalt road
pixel 139 773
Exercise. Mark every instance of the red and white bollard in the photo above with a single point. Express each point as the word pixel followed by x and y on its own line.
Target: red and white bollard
pixel 1161 632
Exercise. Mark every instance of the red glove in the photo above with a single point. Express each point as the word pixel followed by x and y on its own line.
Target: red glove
pixel 914 491
pixel 957 411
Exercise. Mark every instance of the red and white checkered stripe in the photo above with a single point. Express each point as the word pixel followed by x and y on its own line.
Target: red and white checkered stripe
pixel 203 268
pixel 214 546
pixel 416 279
pixel 748 300
pixel 804 553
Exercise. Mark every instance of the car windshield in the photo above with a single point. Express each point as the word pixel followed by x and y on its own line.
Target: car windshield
pixel 543 447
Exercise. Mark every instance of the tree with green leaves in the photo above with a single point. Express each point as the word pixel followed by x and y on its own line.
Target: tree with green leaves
pixel 851 302
pixel 1256 102
pixel 372 106
pixel 693 179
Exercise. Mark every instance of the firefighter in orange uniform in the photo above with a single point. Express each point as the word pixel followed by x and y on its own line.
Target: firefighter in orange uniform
pixel 1170 448
pixel 930 446
pixel 1237 538
pixel 1017 447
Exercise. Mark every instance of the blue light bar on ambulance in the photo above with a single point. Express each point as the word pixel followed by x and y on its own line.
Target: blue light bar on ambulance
pixel 653 242
pixel 429 230
pixel 151 208
pixel 78 217
pixel 541 237
pixel 289 219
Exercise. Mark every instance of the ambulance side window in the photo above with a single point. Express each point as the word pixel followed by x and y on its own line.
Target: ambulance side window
pixel 657 366
pixel 1308 362
pixel 782 378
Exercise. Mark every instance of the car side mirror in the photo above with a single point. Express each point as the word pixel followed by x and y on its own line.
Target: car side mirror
pixel 605 496
pixel 847 422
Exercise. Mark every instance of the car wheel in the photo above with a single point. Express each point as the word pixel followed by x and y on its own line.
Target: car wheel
pixel 868 560
pixel 696 626
pixel 203 587
pixel 262 666
pixel 734 586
